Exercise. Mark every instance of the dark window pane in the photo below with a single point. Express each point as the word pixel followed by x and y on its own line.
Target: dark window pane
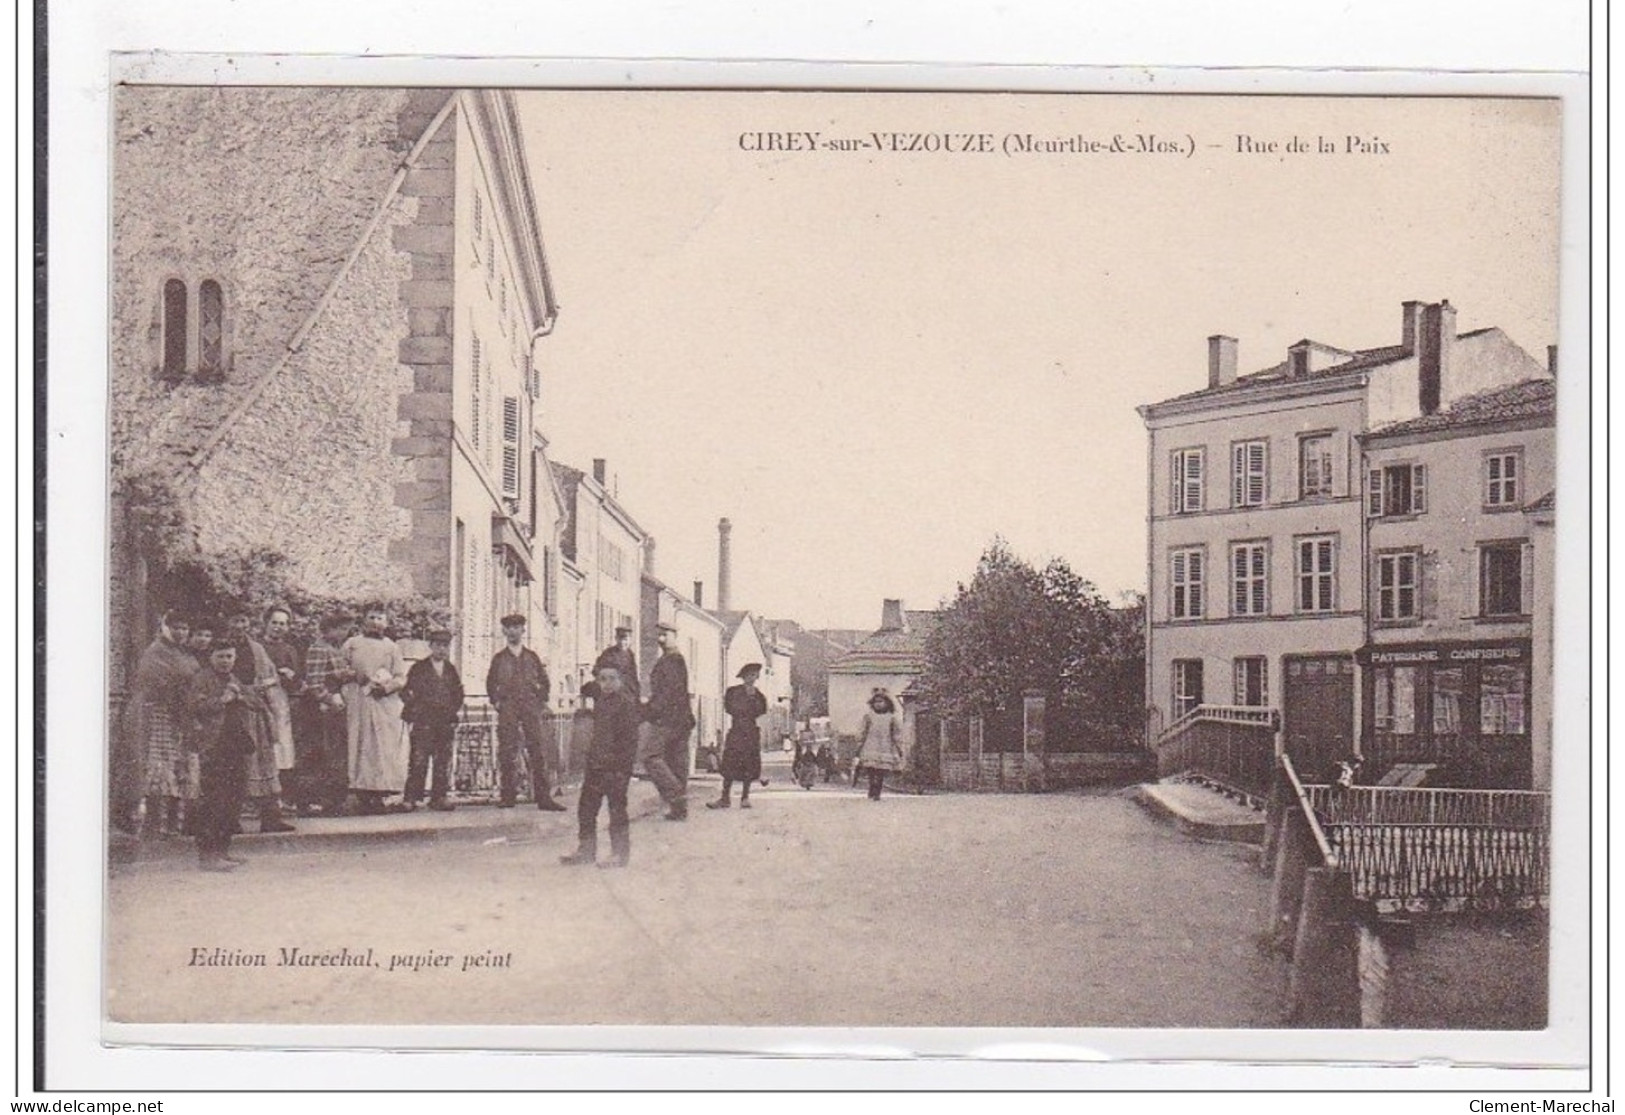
pixel 174 330
pixel 211 367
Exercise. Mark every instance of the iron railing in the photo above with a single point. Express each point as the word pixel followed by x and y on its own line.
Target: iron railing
pixel 476 773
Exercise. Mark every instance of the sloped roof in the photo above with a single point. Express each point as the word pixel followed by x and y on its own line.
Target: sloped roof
pixel 1360 361
pixel 1532 398
pixel 890 650
pixel 1547 502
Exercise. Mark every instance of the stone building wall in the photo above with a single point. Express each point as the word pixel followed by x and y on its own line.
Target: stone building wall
pixel 265 190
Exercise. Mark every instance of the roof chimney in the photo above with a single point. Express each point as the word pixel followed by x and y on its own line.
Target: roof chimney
pixel 1411 314
pixel 699 594
pixel 600 470
pixel 1221 360
pixel 891 616
pixel 649 555
pixel 1551 360
pixel 724 565
pixel 1435 340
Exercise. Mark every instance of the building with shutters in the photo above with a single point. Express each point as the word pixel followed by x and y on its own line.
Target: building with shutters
pixel 1258 571
pixel 1451 589
pixel 602 548
pixel 327 306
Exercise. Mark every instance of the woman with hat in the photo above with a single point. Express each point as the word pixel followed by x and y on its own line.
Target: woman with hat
pixel 742 747
pixel 880 746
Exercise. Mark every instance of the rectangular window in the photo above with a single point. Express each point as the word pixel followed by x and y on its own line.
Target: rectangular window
pixel 1187 493
pixel 1187 685
pixel 1503 476
pixel 510 447
pixel 1448 688
pixel 1315 466
pixel 1398 578
pixel 1249 579
pixel 1249 473
pixel 1185 580
pixel 1317 574
pixel 1502 582
pixel 1397 490
pixel 1501 702
pixel 1252 682
pixel 1395 690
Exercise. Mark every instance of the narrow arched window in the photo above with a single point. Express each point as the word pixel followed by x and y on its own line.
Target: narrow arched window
pixel 211 333
pixel 174 310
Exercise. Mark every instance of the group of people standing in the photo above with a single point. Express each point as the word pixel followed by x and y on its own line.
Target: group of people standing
pixel 219 712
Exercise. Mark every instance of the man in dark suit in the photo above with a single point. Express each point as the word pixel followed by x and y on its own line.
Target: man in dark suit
pixel 433 697
pixel 609 771
pixel 671 720
pixel 620 656
pixel 518 686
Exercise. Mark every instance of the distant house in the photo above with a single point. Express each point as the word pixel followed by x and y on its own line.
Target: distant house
pixel 326 306
pixel 815 649
pixel 892 657
pixel 604 547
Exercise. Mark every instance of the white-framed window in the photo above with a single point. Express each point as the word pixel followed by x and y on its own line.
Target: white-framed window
pixel 1504 578
pixel 1186 573
pixel 1315 466
pixel 1249 473
pixel 1397 490
pixel 1399 581
pixel 1252 682
pixel 1249 579
pixel 1187 678
pixel 1503 478
pixel 1317 573
pixel 1187 480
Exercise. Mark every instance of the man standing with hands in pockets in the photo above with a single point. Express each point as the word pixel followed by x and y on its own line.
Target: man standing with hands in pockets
pixel 518 686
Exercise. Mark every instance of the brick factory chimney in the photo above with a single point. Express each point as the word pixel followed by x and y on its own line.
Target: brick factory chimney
pixel 600 471
pixel 891 616
pixel 1221 360
pixel 724 565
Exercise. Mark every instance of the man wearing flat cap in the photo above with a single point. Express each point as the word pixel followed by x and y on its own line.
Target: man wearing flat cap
pixel 518 686
pixel 625 662
pixel 671 719
pixel 432 698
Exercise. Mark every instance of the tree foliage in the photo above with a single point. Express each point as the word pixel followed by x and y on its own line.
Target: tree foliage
pixel 1017 628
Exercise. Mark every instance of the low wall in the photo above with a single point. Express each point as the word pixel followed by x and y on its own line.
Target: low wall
pixel 1012 772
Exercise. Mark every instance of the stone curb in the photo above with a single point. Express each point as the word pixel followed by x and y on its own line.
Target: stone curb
pixel 423 827
pixel 1150 797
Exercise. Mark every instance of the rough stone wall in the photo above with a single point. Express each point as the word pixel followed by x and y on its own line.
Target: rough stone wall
pixel 266 190
pixel 309 469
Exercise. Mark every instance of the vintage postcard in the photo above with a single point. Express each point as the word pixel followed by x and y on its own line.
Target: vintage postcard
pixel 1017 560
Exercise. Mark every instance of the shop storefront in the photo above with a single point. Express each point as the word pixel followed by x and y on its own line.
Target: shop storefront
pixel 1460 706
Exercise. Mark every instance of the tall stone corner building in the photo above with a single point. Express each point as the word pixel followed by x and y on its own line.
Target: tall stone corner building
pixel 1342 543
pixel 327 305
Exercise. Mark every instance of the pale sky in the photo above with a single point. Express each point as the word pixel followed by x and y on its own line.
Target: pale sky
pixel 873 362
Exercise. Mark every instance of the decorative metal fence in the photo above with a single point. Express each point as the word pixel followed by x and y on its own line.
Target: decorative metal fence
pixel 1439 850
pixel 476 772
pixel 1231 746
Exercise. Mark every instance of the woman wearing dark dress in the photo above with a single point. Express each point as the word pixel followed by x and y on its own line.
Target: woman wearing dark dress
pixel 742 747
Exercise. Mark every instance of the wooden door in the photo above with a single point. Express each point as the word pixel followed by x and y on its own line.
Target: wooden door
pixel 1317 712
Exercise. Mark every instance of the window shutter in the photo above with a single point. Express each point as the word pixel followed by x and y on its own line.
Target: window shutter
pixel 1373 492
pixel 510 447
pixel 1193 480
pixel 1419 489
pixel 1526 579
pixel 1238 476
pixel 1337 473
pixel 1256 474
pixel 1427 585
pixel 478 380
